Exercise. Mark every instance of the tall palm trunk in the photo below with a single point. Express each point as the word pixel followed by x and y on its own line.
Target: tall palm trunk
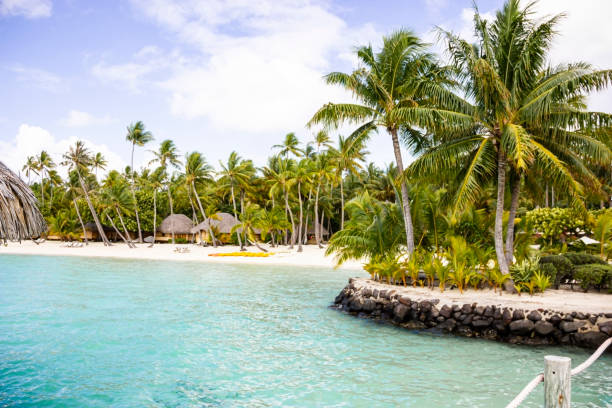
pixel 171 208
pixel 236 215
pixel 316 216
pixel 245 240
pixel 514 201
pixel 341 201
pixel 321 227
pixel 193 210
pixel 154 216
pixel 127 234
pixel 292 220
pixel 94 214
pixel 405 199
pixel 299 235
pixel 76 207
pixel 42 188
pixel 134 198
pixel 210 231
pixel 499 219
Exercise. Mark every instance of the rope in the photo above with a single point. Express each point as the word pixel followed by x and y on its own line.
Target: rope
pixel 593 357
pixel 540 377
pixel 526 391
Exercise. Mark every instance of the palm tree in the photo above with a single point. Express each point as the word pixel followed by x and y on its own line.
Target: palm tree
pixel 524 117
pixel 156 182
pixel 386 84
pixel 167 156
pixel 248 221
pixel 137 136
pixel 78 159
pixel 289 145
pixel 197 171
pixel 45 164
pixel 323 174
pixel 301 176
pixel 347 157
pixel 30 167
pixel 236 173
pixel 115 197
pixel 72 192
pixel 321 139
pixel 98 162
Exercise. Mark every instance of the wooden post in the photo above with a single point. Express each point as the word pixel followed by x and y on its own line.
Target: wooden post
pixel 557 382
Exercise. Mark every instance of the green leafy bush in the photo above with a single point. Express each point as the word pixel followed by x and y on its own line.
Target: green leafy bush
pixel 549 270
pixel 563 268
pixel 582 258
pixel 593 275
pixel 552 223
pixel 523 271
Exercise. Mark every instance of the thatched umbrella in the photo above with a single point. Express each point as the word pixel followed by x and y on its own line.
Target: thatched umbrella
pixel 20 217
pixel 177 224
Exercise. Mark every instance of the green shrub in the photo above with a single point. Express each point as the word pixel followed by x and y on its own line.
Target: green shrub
pixel 180 240
pixel 593 275
pixel 581 258
pixel 552 223
pixel 523 271
pixel 549 271
pixel 564 269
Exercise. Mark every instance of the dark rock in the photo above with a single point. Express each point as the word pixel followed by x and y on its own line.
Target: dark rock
pixel 466 309
pixel 400 311
pixel 456 308
pixel 422 317
pixel 425 306
pixel 369 305
pixel 497 313
pixel 404 300
pixel 375 293
pixel 593 319
pixel 608 315
pixel 574 314
pixel 440 319
pixel 448 325
pixel 522 327
pixel 544 328
pixel 565 339
pixel 518 315
pixel 479 310
pixel 367 292
pixel 556 319
pixel 499 326
pixel 388 307
pixel 570 327
pixel 534 316
pixel 568 318
pixel 506 316
pixel 490 334
pixel 413 314
pixel 445 311
pixel 339 298
pixel 590 339
pixel 456 315
pixel 489 311
pixel 383 293
pixel 414 325
pixel 580 316
pixel 433 313
pixel 414 306
pixel 468 319
pixel 435 301
pixel 480 324
pixel 464 331
pixel 356 304
pixel 606 327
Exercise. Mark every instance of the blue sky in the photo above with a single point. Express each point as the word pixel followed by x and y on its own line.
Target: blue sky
pixel 214 76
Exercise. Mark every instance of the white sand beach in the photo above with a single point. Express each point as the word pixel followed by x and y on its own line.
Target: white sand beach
pixel 310 256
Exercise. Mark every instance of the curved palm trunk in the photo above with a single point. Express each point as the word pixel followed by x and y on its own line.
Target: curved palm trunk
pixel 236 215
pixel 499 219
pixel 210 231
pixel 94 214
pixel 76 207
pixel 305 230
pixel 321 227
pixel 299 234
pixel 316 217
pixel 154 216
pixel 405 199
pixel 516 189
pixel 42 189
pixel 292 220
pixel 245 240
pixel 127 234
pixel 341 202
pixel 133 197
pixel 117 231
pixel 193 210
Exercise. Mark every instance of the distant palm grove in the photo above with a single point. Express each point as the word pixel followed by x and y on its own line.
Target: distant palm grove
pixel 504 155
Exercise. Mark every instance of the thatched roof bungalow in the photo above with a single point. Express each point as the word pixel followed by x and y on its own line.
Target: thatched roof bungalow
pixel 221 223
pixel 20 217
pixel 178 224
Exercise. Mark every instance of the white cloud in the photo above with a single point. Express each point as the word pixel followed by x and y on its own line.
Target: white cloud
pixel 260 63
pixel 77 118
pixel 37 77
pixel 31 140
pixel 26 8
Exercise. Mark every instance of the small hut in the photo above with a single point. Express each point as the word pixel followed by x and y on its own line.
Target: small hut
pixel 221 224
pixel 310 234
pixel 178 224
pixel 20 217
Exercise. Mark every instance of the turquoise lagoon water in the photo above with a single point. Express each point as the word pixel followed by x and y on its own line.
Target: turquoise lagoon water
pixel 77 332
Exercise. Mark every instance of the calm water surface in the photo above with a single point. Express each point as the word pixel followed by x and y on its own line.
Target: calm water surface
pixel 77 332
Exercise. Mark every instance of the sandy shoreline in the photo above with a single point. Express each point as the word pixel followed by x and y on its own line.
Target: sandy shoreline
pixel 558 300
pixel 310 256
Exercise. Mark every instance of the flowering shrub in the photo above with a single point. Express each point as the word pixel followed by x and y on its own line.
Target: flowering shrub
pixel 556 223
